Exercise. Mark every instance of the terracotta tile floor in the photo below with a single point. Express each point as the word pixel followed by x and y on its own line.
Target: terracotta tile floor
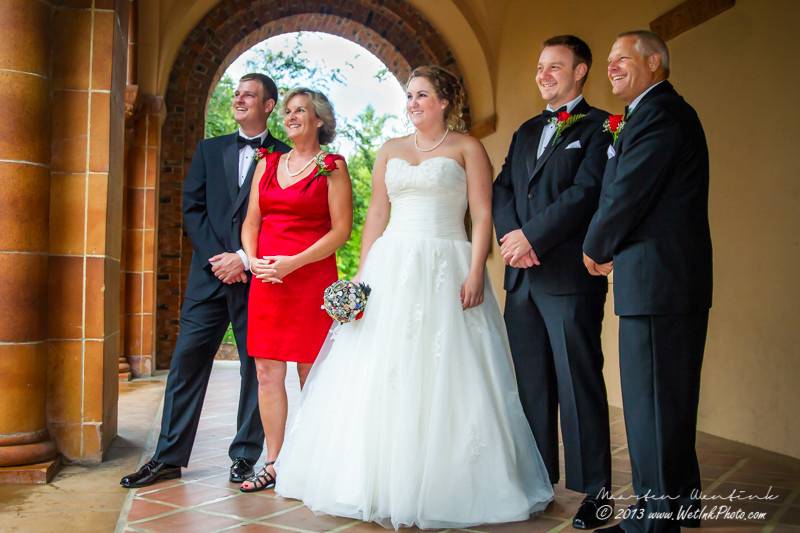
pixel 84 498
pixel 203 500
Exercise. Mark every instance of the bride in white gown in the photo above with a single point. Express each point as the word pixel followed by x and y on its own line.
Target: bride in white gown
pixel 411 415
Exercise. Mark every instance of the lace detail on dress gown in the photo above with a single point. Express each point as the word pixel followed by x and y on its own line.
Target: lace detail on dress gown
pixel 420 395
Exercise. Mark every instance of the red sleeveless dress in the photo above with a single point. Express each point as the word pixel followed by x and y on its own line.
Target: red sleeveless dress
pixel 285 321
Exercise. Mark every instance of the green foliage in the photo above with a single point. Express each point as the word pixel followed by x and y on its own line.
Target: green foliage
pixel 288 70
pixel 229 337
pixel 219 116
pixel 366 133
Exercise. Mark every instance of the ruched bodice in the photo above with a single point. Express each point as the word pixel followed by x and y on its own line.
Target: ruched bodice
pixel 428 200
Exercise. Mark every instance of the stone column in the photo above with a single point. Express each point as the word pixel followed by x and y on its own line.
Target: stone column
pixel 132 105
pixel 24 209
pixel 140 231
pixel 87 144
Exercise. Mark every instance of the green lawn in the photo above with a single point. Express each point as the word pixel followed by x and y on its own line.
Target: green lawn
pixel 229 338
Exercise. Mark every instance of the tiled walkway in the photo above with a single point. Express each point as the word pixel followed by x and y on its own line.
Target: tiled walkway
pixel 87 498
pixel 203 500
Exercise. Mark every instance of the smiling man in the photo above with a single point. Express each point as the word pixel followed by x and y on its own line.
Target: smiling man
pixel 543 200
pixel 215 195
pixel 652 226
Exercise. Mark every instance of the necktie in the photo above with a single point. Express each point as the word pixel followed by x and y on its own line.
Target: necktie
pixel 242 142
pixel 626 113
pixel 547 114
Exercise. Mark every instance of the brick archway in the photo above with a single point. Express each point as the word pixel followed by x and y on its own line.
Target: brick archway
pixel 393 30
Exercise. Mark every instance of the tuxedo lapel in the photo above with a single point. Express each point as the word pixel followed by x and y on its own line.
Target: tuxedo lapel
pixel 581 108
pixel 548 151
pixel 532 146
pixel 244 190
pixel 230 157
pixel 662 88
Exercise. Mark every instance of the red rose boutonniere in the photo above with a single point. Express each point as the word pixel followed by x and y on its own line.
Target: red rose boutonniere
pixel 562 121
pixel 323 169
pixel 614 125
pixel 261 153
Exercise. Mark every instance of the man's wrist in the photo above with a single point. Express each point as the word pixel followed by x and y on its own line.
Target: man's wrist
pixel 244 258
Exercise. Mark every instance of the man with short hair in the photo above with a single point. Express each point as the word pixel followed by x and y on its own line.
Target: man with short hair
pixel 543 200
pixel 652 222
pixel 215 194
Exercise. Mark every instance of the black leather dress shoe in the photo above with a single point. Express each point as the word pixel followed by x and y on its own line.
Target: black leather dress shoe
pixel 593 512
pixel 150 472
pixel 612 529
pixel 241 469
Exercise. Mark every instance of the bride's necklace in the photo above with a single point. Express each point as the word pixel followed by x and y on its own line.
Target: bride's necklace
pixel 289 156
pixel 435 146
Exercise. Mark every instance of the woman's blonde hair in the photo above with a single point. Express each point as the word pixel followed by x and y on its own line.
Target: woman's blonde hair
pixel 322 108
pixel 447 87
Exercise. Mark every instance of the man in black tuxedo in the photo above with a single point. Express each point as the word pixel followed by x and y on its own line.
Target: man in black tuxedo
pixel 543 200
pixel 215 195
pixel 651 226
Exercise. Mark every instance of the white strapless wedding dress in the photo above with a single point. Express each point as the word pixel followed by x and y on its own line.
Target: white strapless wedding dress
pixel 411 415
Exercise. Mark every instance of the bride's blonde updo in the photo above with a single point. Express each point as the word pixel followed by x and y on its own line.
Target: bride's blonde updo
pixel 447 87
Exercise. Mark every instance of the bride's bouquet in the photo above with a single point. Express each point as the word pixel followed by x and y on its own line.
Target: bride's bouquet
pixel 345 301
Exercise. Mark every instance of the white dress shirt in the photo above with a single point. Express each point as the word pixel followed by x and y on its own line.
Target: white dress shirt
pixel 246 154
pixel 550 129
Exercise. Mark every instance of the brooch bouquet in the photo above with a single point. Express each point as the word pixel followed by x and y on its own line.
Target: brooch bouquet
pixel 345 301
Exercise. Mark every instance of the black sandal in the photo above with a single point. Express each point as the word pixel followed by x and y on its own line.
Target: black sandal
pixel 261 480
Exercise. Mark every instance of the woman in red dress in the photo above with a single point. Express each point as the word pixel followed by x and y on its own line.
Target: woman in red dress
pixel 300 212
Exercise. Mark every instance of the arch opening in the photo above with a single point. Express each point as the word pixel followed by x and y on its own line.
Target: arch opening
pixel 393 30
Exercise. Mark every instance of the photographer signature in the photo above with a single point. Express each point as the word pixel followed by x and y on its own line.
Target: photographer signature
pixel 696 494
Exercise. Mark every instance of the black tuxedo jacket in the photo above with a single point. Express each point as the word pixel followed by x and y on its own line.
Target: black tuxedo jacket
pixel 214 207
pixel 653 214
pixel 552 199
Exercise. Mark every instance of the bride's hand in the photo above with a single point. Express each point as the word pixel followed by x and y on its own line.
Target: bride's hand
pixel 472 291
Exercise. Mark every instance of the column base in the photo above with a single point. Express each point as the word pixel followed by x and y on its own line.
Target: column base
pixel 35 474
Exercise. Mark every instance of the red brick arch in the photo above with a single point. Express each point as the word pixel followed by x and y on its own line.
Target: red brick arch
pixel 393 30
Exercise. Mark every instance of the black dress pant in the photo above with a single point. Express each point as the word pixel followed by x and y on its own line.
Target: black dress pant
pixel 660 361
pixel 202 326
pixel 555 344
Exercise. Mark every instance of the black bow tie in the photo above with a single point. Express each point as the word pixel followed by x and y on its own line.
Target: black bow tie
pixel 242 142
pixel 547 114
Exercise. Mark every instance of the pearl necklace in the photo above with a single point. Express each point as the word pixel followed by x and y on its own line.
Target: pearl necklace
pixel 435 146
pixel 289 156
